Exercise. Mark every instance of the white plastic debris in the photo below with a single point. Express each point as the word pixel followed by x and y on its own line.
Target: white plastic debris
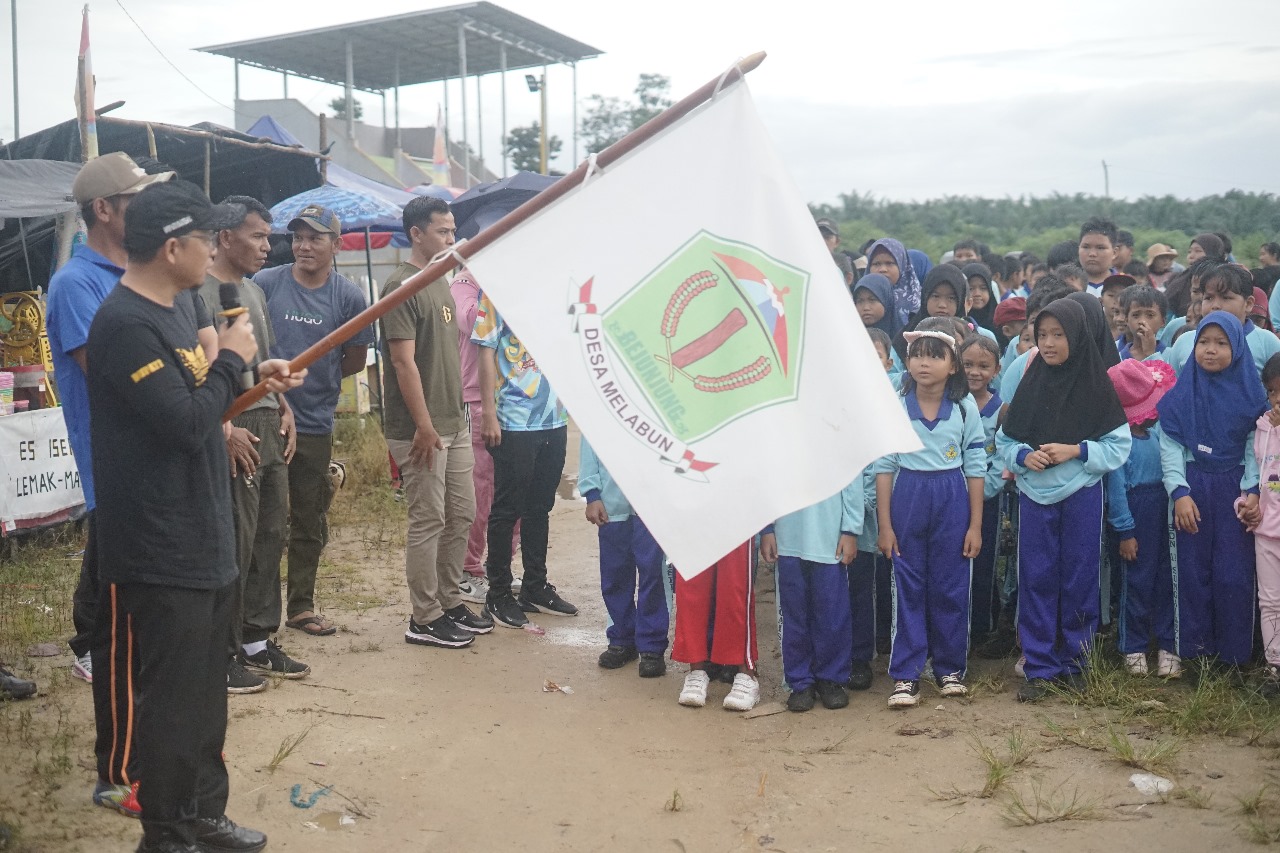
pixel 1151 784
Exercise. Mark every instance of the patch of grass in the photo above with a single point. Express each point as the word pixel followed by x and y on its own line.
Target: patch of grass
pixel 1154 758
pixel 987 684
pixel 1252 805
pixel 287 747
pixel 1039 806
pixel 835 746
pixel 361 648
pixel 1261 831
pixel 1000 768
pixel 676 803
pixel 1194 797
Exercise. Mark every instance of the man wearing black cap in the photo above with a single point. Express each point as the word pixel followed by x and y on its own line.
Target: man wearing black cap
pixel 260 443
pixel 307 300
pixel 164 526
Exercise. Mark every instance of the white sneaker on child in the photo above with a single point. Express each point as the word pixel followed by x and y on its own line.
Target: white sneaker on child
pixel 1168 665
pixel 744 694
pixel 474 589
pixel 694 692
pixel 1136 663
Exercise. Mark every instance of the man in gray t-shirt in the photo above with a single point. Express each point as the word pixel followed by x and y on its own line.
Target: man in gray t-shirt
pixel 307 300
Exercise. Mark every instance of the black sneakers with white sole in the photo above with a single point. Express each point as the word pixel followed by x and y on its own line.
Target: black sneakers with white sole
pixel 474 623
pixel 545 599
pixel 442 632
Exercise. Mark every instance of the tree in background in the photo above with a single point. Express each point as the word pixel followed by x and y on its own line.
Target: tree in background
pixel 339 107
pixel 609 119
pixel 524 148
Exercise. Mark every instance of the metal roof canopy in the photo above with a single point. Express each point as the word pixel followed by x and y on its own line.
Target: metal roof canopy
pixel 417 47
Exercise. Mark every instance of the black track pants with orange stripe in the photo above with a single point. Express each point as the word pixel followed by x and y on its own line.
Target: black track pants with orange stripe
pixel 160 698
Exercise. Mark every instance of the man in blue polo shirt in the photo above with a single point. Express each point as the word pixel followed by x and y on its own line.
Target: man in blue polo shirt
pixel 103 189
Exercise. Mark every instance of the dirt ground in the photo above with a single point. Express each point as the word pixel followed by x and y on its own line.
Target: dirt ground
pixel 427 749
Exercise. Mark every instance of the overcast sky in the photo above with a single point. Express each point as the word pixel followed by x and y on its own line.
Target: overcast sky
pixel 913 100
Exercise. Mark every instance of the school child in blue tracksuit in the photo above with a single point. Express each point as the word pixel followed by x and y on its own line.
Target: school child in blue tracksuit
pixel 980 362
pixel 631 573
pixel 930 511
pixel 1208 420
pixel 813 548
pixel 864 590
pixel 1138 511
pixel 1064 430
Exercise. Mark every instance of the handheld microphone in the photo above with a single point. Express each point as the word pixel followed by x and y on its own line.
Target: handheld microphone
pixel 229 296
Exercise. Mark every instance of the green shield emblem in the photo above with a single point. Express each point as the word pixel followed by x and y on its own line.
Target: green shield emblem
pixel 714 333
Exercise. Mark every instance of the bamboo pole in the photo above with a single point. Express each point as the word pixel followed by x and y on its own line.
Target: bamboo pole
pixel 487 237
pixel 221 139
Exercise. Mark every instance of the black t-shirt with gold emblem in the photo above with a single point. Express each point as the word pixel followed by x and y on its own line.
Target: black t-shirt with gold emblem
pixel 159 460
pixel 428 318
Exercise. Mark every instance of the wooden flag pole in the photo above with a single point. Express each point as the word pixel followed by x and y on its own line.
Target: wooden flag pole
pixel 560 188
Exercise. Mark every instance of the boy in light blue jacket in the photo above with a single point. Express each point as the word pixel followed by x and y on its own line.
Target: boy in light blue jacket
pixel 631 565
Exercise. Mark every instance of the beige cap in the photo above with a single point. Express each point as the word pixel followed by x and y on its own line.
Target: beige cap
pixel 1160 250
pixel 112 174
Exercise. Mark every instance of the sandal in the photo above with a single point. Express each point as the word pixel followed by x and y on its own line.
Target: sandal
pixel 313 625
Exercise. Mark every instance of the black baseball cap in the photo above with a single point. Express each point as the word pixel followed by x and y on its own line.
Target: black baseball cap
pixel 163 211
pixel 828 226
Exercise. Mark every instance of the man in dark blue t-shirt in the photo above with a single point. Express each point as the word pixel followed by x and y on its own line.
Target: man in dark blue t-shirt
pixel 307 300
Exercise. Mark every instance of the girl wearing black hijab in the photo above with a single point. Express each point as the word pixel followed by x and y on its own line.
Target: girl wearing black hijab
pixel 982 304
pixel 1097 328
pixel 1064 431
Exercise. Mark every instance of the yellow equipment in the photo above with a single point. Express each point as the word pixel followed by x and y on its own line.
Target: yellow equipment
pixel 24 340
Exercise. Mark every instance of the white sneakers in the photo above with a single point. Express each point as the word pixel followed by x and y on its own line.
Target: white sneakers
pixel 474 589
pixel 1168 665
pixel 82 668
pixel 694 692
pixel 743 696
pixel 1136 663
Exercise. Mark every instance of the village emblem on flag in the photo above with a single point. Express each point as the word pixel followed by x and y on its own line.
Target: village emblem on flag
pixel 712 334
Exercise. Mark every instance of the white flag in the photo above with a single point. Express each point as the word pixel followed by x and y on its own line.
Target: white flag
pixel 687 311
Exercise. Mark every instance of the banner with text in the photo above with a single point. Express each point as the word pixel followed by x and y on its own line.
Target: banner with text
pixel 39 481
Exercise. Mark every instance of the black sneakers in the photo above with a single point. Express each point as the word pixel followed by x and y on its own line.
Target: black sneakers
pixel 240 680
pixel 442 632
pixel 860 678
pixel 802 700
pixel 616 657
pixel 1033 690
pixel 832 695
pixel 473 623
pixel 545 599
pixel 506 612
pixel 273 661
pixel 222 834
pixel 13 687
pixel 652 665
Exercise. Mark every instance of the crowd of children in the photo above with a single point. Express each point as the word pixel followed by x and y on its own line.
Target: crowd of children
pixel 1100 457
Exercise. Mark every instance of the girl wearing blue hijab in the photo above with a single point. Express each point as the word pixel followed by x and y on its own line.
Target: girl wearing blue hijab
pixel 895 265
pixel 1206 440
pixel 873 298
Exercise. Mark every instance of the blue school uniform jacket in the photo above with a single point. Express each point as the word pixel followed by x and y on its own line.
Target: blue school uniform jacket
pixel 1262 345
pixel 814 532
pixel 993 480
pixel 1142 468
pixel 954 440
pixel 868 539
pixel 1174 458
pixel 1060 482
pixel 595 484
